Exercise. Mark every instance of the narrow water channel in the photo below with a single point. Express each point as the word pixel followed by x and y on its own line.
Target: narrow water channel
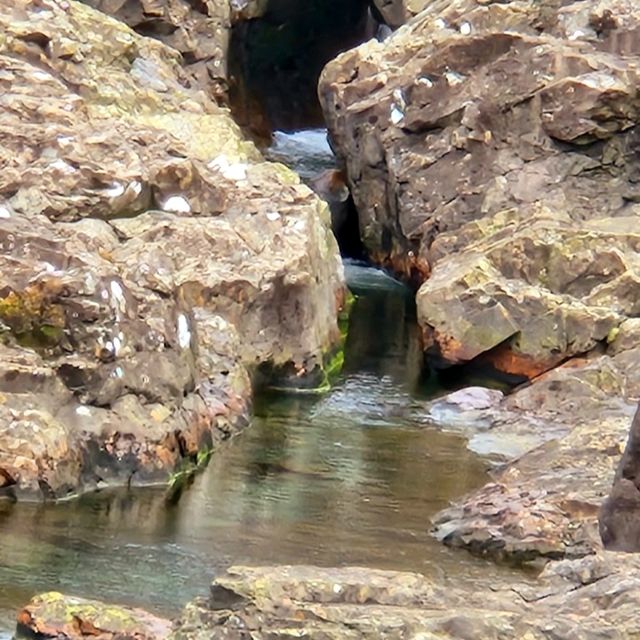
pixel 351 477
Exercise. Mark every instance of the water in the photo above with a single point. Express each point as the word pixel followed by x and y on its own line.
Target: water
pixel 349 478
pixel 307 152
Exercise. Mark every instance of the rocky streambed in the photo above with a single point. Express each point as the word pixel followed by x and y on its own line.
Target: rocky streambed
pixel 153 267
pixel 331 480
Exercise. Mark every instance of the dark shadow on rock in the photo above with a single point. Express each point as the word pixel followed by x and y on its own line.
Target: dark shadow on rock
pixel 619 517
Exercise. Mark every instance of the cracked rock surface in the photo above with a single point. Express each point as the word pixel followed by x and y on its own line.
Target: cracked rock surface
pixel 491 151
pixel 592 598
pixel 149 259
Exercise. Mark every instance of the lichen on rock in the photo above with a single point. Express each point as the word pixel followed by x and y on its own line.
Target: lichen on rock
pixel 150 259
pixel 490 154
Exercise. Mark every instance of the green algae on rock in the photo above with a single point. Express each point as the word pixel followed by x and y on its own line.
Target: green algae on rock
pixel 68 618
pixel 589 598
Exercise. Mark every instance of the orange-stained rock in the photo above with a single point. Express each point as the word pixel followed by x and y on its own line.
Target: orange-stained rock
pixel 149 258
pixel 53 615
pixel 496 142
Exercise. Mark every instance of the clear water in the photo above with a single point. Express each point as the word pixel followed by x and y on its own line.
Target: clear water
pixel 348 478
pixel 307 151
pixel 352 477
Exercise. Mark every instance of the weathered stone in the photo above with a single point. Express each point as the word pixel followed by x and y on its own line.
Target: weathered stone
pixel 200 31
pixel 620 512
pixel 591 598
pixel 52 615
pixel 148 258
pixel 396 12
pixel 490 151
pixel 562 437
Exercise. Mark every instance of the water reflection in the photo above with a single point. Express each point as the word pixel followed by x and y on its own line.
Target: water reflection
pixel 348 478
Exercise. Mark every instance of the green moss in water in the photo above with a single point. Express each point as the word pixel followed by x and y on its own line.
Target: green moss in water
pixel 183 476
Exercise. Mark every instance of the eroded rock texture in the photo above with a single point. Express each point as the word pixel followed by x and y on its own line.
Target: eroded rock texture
pixel 562 438
pixel 199 30
pixel 148 258
pixel 53 615
pixel 592 598
pixel 620 512
pixel 491 149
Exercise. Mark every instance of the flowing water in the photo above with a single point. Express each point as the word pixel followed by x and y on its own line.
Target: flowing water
pixel 351 477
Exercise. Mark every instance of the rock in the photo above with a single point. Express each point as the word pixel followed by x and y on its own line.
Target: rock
pixel 488 148
pixel 275 60
pixel 200 31
pixel 395 13
pixel 620 512
pixel 561 437
pixel 150 260
pixel 52 615
pixel 591 598
pixel 331 186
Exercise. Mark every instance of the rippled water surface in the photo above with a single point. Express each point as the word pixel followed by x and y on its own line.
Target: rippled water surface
pixel 348 478
pixel 351 477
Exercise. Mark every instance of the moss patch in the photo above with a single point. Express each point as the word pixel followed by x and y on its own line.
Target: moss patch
pixel 33 316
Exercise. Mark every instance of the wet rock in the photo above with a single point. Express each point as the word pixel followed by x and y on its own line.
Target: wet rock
pixel 561 437
pixel 590 598
pixel 52 615
pixel 149 259
pixel 490 154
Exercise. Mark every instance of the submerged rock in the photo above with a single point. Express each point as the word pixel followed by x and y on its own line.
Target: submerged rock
pixel 490 151
pixel 149 259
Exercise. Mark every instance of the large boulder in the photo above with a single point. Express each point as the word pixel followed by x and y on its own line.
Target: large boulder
pixel 150 259
pixel 491 154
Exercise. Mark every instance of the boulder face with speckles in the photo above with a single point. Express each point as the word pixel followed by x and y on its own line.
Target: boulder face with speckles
pixel 150 259
pixel 492 154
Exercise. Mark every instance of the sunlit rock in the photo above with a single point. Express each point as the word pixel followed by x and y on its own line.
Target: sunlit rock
pixel 504 179
pixel 120 245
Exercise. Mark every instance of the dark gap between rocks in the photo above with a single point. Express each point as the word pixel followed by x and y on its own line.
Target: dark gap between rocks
pixel 275 60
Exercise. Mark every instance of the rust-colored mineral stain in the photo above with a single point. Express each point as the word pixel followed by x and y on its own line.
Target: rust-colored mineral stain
pixel 25 618
pixel 86 627
pixel 408 267
pixel 504 359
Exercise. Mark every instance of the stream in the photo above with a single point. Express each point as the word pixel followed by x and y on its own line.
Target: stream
pixel 348 478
